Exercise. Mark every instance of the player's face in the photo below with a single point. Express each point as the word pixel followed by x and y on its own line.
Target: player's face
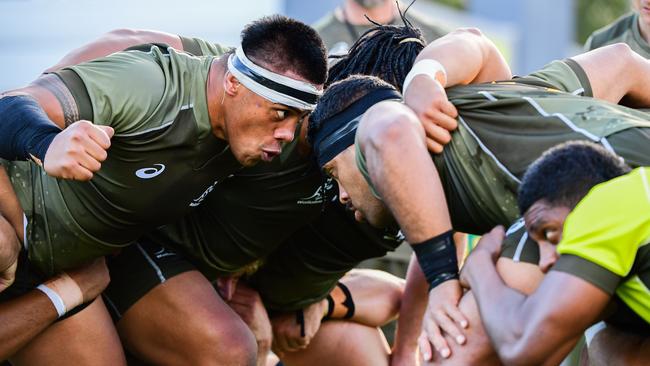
pixel 354 191
pixel 545 224
pixel 643 7
pixel 256 128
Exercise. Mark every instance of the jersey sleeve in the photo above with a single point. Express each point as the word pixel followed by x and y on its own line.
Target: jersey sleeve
pixel 200 47
pixel 566 75
pixel 603 233
pixel 120 90
pixel 518 245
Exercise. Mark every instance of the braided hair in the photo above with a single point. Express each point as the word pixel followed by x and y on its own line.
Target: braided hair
pixel 385 51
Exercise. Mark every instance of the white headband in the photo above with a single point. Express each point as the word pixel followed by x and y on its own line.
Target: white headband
pixel 272 86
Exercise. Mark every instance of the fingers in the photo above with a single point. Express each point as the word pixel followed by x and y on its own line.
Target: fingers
pixel 436 133
pixel 425 347
pixel 448 326
pixel 458 317
pixel 434 337
pixel 101 135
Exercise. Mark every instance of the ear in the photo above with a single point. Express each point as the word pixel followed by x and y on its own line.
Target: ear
pixel 231 84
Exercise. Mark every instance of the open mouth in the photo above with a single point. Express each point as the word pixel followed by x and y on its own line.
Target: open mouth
pixel 268 154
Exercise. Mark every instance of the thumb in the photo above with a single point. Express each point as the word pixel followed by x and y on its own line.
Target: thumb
pixel 107 129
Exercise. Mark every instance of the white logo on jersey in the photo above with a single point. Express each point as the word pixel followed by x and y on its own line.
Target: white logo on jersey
pixel 319 195
pixel 197 201
pixel 148 173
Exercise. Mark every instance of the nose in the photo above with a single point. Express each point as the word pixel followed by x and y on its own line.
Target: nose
pixel 547 256
pixel 286 131
pixel 344 197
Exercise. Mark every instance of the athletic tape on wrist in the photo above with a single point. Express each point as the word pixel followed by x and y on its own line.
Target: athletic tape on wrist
pixel 54 297
pixel 67 289
pixel 26 130
pixel 437 258
pixel 428 67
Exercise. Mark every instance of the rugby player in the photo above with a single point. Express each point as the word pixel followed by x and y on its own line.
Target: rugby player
pixel 595 264
pixel 246 217
pixel 178 111
pixel 469 186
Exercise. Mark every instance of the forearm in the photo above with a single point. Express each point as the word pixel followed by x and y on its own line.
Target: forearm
pixel 23 319
pixel 498 304
pixel 115 41
pixel 403 173
pixel 482 61
pixel 414 303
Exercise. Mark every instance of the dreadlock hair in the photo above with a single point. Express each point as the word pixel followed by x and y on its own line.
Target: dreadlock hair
pixel 564 174
pixel 378 52
pixel 285 44
pixel 341 95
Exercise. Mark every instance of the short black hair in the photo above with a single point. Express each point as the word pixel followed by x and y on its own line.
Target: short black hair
pixel 378 52
pixel 286 44
pixel 564 174
pixel 341 95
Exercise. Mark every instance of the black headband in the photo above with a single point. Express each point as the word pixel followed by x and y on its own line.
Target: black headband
pixel 337 132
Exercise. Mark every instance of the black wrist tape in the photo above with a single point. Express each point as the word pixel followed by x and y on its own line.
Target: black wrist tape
pixel 25 129
pixel 437 258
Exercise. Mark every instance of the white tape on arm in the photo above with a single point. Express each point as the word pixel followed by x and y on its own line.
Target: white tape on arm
pixel 429 67
pixel 54 297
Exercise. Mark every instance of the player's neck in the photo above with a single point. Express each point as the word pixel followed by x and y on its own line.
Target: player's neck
pixel 644 29
pixel 356 14
pixel 215 94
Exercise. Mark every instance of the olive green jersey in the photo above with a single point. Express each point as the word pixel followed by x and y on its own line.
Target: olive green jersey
pixel 283 212
pixel 625 30
pixel 162 163
pixel 339 36
pixel 505 126
pixel 612 251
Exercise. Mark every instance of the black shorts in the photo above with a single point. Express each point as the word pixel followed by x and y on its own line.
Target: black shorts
pixel 138 269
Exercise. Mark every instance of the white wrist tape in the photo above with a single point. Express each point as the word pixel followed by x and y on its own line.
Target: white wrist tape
pixel 54 297
pixel 67 290
pixel 427 67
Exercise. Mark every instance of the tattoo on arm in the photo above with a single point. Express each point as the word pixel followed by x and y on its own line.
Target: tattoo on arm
pixel 54 84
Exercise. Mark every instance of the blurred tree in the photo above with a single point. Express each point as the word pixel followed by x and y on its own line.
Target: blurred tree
pixel 457 4
pixel 594 14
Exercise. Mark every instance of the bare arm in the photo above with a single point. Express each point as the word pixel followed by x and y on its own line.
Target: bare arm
pixel 468 57
pixel 409 324
pixel 393 142
pixel 115 41
pixel 528 329
pixel 23 318
pixel 616 74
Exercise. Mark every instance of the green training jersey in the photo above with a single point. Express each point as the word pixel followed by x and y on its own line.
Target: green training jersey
pixel 283 211
pixel 339 36
pixel 504 126
pixel 612 251
pixel 162 163
pixel 625 30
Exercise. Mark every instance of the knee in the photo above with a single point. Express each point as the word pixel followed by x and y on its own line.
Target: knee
pixel 231 345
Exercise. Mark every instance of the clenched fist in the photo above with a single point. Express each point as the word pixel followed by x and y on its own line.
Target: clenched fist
pixel 78 151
